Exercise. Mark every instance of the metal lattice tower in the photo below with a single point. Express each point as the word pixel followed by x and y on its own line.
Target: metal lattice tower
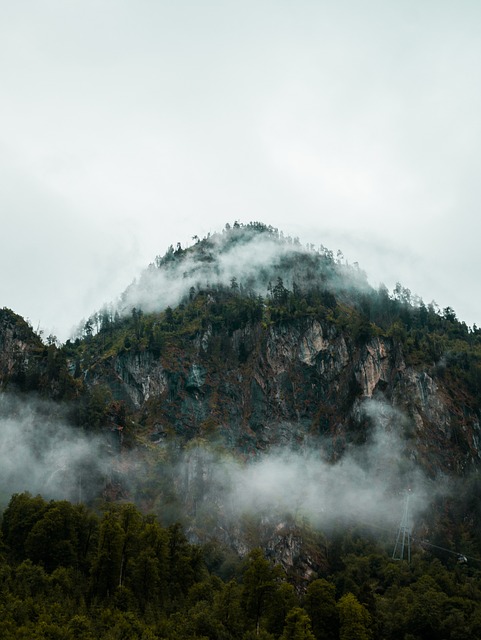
pixel 403 540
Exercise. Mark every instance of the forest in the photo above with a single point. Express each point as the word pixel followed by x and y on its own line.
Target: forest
pixel 70 572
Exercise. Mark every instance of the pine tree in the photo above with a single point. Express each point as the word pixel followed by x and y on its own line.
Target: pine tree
pixel 354 619
pixel 298 626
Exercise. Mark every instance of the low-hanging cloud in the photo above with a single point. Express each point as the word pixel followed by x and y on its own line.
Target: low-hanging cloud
pixel 253 259
pixel 42 454
pixel 366 485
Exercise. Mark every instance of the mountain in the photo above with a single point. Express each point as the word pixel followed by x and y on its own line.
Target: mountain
pixel 251 387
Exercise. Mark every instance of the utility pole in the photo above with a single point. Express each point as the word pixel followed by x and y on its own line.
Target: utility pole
pixel 403 540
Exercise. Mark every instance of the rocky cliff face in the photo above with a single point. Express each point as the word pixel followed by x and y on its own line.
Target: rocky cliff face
pixel 18 346
pixel 289 383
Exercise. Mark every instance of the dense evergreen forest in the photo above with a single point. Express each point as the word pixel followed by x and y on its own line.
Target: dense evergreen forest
pixel 68 572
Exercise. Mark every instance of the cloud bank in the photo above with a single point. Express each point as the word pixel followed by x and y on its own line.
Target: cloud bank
pixel 41 453
pixel 253 258
pixel 214 489
pixel 366 485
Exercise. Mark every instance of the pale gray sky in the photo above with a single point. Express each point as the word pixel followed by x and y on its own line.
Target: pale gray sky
pixel 126 126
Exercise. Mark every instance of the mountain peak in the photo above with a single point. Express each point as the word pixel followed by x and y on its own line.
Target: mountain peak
pixel 254 255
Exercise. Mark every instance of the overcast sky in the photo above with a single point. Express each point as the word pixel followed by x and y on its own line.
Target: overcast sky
pixel 126 126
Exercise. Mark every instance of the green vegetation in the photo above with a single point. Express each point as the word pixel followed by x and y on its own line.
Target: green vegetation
pixel 67 572
pixel 32 365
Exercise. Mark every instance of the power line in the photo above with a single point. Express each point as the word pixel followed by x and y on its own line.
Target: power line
pixel 461 556
pixel 403 539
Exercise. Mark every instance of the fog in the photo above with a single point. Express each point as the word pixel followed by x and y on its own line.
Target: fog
pixel 366 485
pixel 320 481
pixel 215 488
pixel 254 259
pixel 41 453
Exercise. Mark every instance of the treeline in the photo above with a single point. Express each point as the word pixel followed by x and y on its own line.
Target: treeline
pixel 234 234
pixel 427 336
pixel 67 572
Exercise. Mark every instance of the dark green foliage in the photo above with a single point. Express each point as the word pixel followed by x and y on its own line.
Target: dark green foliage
pixel 354 620
pixel 122 575
pixel 260 585
pixel 19 518
pixel 93 408
pixel 320 604
pixel 60 537
pixel 297 626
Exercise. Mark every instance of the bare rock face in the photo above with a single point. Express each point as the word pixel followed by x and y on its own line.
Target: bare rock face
pixel 18 343
pixel 141 376
pixel 375 367
pixel 303 385
pixel 288 383
pixel 312 343
pixel 287 545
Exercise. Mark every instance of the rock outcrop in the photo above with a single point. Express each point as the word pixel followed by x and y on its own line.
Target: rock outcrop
pixel 287 384
pixel 18 346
